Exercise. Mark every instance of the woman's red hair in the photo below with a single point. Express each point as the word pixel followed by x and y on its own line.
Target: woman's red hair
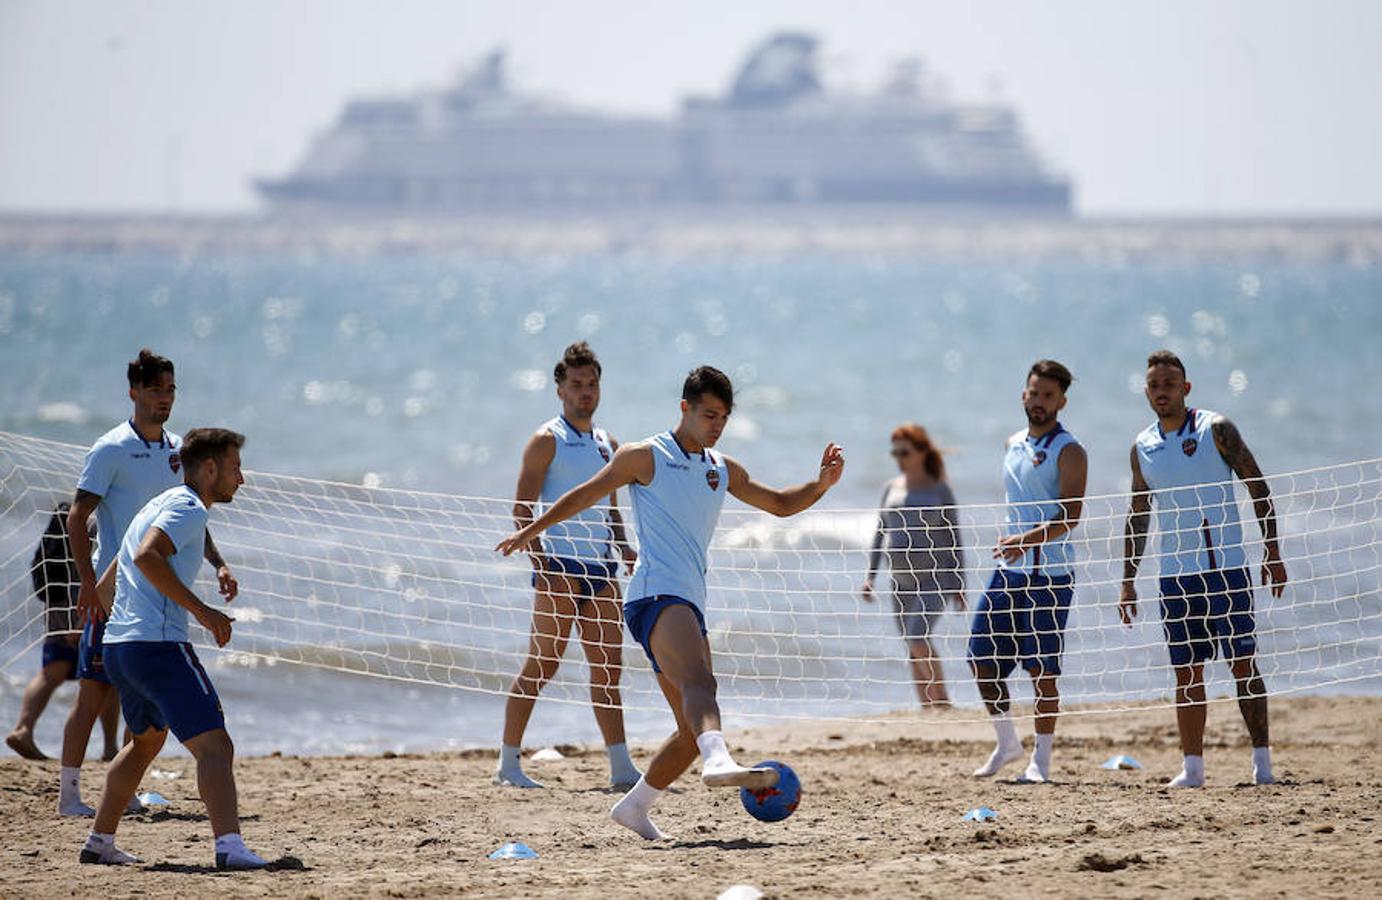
pixel 915 435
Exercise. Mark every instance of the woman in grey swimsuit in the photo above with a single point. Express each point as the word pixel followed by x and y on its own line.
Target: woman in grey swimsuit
pixel 919 531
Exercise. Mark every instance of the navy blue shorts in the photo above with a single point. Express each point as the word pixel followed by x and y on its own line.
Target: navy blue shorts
pixel 90 665
pixel 1208 612
pixel 641 615
pixel 57 649
pixel 1021 618
pixel 162 685
pixel 589 576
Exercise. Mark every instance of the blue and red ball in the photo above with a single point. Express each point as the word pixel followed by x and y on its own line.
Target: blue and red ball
pixel 775 803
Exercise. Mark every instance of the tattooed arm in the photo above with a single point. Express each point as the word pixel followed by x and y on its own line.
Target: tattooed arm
pixel 1134 539
pixel 1240 459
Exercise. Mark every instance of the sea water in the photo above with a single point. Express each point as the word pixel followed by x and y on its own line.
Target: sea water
pixel 428 372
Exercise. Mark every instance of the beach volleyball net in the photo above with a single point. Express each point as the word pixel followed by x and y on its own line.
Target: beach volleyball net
pixel 405 585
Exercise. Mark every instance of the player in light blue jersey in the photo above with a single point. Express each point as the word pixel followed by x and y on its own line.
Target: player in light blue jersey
pixel 125 468
pixel 162 685
pixel 1021 617
pixel 678 483
pixel 574 567
pixel 1185 463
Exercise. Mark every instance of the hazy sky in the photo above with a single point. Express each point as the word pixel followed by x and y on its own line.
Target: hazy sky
pixel 1153 106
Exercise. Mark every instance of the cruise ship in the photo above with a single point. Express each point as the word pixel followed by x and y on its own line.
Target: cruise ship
pixel 777 137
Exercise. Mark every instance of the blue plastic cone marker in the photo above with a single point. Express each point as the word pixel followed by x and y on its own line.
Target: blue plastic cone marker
pixel 981 814
pixel 1121 762
pixel 152 798
pixel 514 850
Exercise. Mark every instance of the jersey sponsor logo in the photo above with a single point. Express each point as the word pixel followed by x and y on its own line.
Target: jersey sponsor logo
pixel 677 465
pixel 712 478
pixel 1038 457
pixel 1189 446
pixel 175 461
pixel 144 455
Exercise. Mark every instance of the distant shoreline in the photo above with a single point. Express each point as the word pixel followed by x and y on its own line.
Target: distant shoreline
pixel 686 231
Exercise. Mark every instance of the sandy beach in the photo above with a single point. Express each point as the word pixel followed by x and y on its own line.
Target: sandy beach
pixel 880 815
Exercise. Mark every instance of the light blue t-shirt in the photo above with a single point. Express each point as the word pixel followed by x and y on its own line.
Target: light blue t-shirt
pixel 579 455
pixel 141 612
pixel 126 472
pixel 674 515
pixel 1192 487
pixel 1031 482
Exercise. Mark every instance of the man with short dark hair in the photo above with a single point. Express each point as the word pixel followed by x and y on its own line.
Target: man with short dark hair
pixel 125 468
pixel 678 484
pixel 1021 617
pixel 574 567
pixel 147 653
pixel 1185 462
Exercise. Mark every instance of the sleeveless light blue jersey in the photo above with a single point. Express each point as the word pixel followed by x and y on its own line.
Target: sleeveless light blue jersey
pixel 141 612
pixel 1192 488
pixel 1031 482
pixel 579 455
pixel 126 472
pixel 674 515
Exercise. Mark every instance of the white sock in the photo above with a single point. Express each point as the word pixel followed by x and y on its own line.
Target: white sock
pixel 1039 769
pixel 1262 765
pixel 227 843
pixel 1191 773
pixel 99 842
pixel 510 769
pixel 621 767
pixel 70 784
pixel 632 810
pixel 714 753
pixel 1008 748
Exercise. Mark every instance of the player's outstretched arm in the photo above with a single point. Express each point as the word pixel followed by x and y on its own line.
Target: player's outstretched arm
pixel 632 462
pixel 1134 540
pixel 792 500
pixel 151 559
pixel 1235 452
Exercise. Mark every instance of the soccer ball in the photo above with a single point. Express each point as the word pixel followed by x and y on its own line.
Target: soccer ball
pixel 775 803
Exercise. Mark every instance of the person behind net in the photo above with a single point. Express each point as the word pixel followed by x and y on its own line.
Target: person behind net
pixel 1184 462
pixel 55 578
pixel 677 482
pixel 127 466
pixel 162 684
pixel 574 570
pixel 1022 615
pixel 918 532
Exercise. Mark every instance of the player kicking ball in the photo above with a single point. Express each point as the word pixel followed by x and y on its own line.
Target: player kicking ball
pixel 677 483
pixel 162 686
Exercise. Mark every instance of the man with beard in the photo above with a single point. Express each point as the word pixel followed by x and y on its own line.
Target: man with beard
pixel 1186 461
pixel 574 566
pixel 1021 617
pixel 150 660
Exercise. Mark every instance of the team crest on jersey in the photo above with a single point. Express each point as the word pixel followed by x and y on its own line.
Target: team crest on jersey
pixel 712 478
pixel 1189 446
pixel 1038 457
pixel 604 451
pixel 175 461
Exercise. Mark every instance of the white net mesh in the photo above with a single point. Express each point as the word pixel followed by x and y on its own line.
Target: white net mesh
pixel 405 585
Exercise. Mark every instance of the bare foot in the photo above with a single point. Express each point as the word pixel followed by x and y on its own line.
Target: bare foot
pixel 23 743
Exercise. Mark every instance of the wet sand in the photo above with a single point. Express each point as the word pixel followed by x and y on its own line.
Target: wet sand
pixel 880 815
